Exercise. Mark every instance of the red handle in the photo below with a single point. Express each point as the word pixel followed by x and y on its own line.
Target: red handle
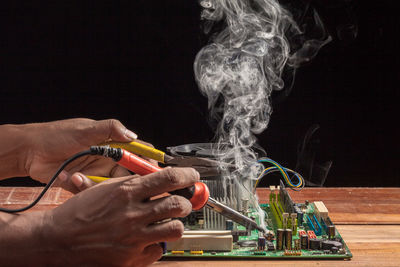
pixel 137 164
pixel 197 194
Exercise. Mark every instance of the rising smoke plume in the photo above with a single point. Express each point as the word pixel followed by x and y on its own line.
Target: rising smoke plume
pixel 241 67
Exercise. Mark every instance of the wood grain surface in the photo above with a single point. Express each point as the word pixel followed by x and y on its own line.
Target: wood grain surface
pixel 367 218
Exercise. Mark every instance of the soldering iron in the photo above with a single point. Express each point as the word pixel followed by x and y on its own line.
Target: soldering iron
pixel 198 194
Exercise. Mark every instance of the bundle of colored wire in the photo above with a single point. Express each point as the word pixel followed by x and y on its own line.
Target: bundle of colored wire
pixel 284 172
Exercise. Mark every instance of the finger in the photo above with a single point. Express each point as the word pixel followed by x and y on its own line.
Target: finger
pixel 165 231
pixel 167 207
pixel 81 182
pixel 63 180
pixel 119 171
pixel 169 179
pixel 152 253
pixel 111 130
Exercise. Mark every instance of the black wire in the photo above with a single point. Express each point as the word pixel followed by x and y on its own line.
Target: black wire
pixel 62 167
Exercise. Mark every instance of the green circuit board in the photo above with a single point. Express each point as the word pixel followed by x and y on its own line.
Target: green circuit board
pixel 310 223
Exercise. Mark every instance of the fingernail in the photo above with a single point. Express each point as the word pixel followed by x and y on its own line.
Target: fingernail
pixel 77 180
pixel 63 176
pixel 131 135
pixel 196 173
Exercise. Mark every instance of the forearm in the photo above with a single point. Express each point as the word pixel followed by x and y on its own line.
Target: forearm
pixel 24 240
pixel 13 146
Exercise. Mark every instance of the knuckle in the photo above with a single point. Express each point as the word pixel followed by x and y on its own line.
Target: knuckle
pixel 172 175
pixel 125 191
pixel 179 204
pixel 175 228
pixel 113 123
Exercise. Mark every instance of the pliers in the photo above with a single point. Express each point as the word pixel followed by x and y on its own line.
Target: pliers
pixel 206 167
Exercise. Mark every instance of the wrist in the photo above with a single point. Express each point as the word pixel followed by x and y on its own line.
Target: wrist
pixel 15 146
pixel 24 239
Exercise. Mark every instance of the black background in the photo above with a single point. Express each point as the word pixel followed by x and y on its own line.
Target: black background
pixel 132 60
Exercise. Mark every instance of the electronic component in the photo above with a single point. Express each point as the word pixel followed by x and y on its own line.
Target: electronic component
pixel 270 246
pixel 247 243
pixel 175 252
pixel 331 232
pixel 203 240
pixel 314 243
pixel 229 225
pixel 293 223
pixel 288 239
pixel 313 223
pixel 285 218
pixel 289 252
pixel 311 234
pixel 304 241
pixel 329 244
pixel 320 210
pixel 261 243
pixel 279 239
pixel 237 233
pixel 296 244
pixel 164 247
pixel 196 252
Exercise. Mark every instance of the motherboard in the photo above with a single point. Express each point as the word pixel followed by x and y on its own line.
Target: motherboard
pixel 295 230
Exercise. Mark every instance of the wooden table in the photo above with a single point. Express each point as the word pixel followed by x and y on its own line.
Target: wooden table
pixel 367 218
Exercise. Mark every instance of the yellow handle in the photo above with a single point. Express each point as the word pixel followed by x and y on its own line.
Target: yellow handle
pixel 97 179
pixel 140 149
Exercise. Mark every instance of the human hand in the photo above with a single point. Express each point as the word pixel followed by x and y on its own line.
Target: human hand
pixel 51 143
pixel 115 223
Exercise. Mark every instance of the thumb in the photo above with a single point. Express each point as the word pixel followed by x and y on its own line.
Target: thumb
pixel 107 130
pixel 81 182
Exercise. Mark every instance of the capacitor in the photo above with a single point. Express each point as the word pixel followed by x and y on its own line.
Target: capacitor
pixel 328 244
pixel 334 250
pixel 285 217
pixel 304 241
pixel 296 244
pixel 163 246
pixel 293 217
pixel 314 243
pixel 288 238
pixel 229 225
pixel 331 231
pixel 261 243
pixel 279 239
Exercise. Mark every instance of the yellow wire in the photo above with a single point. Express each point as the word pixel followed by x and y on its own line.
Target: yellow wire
pixel 284 175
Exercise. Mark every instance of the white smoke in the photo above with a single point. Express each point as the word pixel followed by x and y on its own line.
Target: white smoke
pixel 241 67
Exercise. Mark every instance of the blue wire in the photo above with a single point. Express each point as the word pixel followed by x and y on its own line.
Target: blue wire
pixel 268 160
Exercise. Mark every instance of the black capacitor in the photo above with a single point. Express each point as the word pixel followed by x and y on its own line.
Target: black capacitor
pixel 331 231
pixel 229 225
pixel 261 243
pixel 304 241
pixel 314 243
pixel 279 239
pixel 163 246
pixel 288 238
pixel 328 244
pixel 334 250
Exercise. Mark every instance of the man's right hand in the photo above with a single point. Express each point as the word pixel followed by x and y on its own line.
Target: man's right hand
pixel 116 223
